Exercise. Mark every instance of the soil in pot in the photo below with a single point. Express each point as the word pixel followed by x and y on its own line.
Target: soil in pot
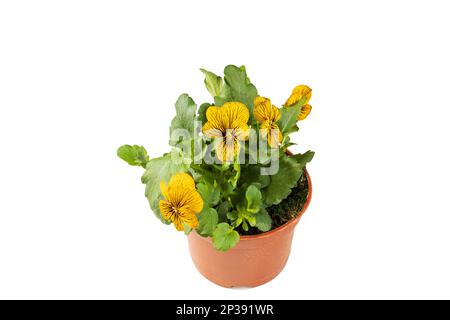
pixel 288 209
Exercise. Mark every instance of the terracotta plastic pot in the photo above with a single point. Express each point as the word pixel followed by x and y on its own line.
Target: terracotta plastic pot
pixel 255 260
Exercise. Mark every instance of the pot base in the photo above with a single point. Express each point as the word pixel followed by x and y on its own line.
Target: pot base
pixel 229 285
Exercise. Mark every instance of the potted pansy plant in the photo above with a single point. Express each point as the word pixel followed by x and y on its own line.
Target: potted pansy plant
pixel 229 181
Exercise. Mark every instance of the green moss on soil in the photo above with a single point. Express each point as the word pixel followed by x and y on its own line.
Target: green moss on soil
pixel 288 209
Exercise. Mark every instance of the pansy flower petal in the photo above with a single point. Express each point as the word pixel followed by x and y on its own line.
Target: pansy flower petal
pixel 301 94
pixel 182 202
pixel 304 112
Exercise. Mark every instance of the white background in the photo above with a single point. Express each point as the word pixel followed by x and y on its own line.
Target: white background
pixel 80 78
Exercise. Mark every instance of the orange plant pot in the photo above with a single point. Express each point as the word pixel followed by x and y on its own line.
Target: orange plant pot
pixel 255 260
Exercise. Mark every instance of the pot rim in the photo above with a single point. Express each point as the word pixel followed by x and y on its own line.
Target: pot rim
pixel 280 228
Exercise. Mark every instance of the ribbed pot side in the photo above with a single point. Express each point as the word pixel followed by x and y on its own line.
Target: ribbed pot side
pixel 255 260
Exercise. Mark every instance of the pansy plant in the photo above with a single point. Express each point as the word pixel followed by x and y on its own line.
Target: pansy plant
pixel 228 160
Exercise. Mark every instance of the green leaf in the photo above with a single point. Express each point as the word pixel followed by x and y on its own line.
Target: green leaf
pixel 301 102
pixel 207 222
pixel 263 220
pixel 224 237
pixel 287 145
pixel 233 180
pixel 134 155
pixel 184 119
pixel 187 228
pixel 254 199
pixel 233 215
pixel 157 170
pixel 247 79
pixel 288 120
pixel 202 112
pixel 240 87
pixel 209 193
pixel 283 181
pixel 182 156
pixel 205 172
pixel 251 174
pixel 303 159
pixel 222 210
pixel 213 82
pixel 225 96
pixel 250 218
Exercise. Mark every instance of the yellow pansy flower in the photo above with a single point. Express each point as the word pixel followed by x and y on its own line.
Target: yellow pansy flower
pixel 301 95
pixel 182 201
pixel 228 123
pixel 267 115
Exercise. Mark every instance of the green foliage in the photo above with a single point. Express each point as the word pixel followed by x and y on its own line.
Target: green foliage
pixel 222 210
pixel 304 158
pixel 133 155
pixel 157 170
pixel 236 174
pixel 263 220
pixel 287 144
pixel 209 193
pixel 213 83
pixel 187 229
pixel 288 120
pixel 186 110
pixel 225 96
pixel 202 112
pixel 238 88
pixel 301 102
pixel 251 174
pixel 254 199
pixel 250 211
pixel 281 183
pixel 224 237
pixel 237 197
pixel 289 208
pixel 207 222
